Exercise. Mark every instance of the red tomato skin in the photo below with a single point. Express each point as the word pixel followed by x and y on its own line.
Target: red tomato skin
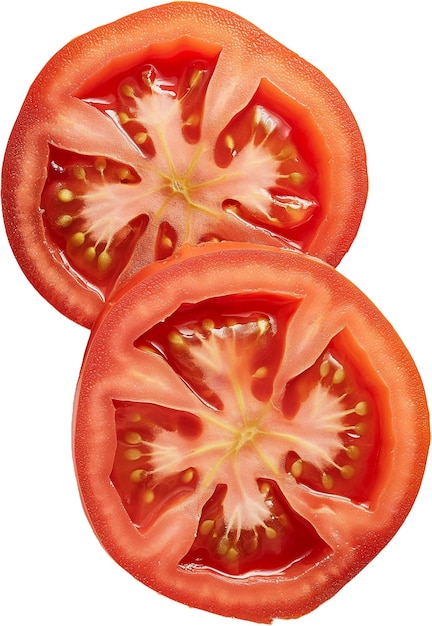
pixel 405 424
pixel 333 133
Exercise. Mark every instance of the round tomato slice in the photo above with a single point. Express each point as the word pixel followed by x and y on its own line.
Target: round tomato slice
pixel 179 124
pixel 249 440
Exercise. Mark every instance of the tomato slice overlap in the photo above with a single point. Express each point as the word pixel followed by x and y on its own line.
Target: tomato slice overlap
pixel 281 446
pixel 160 138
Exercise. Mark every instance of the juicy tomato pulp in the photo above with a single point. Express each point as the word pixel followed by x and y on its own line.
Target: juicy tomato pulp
pixel 178 138
pixel 263 443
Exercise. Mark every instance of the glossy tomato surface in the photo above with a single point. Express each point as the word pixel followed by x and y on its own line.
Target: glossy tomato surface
pixel 249 430
pixel 182 123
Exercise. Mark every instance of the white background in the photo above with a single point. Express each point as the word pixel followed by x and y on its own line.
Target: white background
pixel 52 568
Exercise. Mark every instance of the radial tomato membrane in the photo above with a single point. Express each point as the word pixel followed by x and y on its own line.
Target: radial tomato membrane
pixel 181 71
pixel 85 240
pixel 134 473
pixel 258 175
pixel 324 434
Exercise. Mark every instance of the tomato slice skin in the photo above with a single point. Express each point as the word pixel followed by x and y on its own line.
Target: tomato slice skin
pixel 135 403
pixel 314 182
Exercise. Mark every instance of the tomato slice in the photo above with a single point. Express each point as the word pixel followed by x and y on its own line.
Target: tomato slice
pixel 248 442
pixel 167 128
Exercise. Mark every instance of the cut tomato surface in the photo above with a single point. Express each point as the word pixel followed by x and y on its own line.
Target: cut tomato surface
pixel 179 124
pixel 249 430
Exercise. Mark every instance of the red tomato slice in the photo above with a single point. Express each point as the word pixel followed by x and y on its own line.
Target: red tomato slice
pixel 248 441
pixel 181 123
